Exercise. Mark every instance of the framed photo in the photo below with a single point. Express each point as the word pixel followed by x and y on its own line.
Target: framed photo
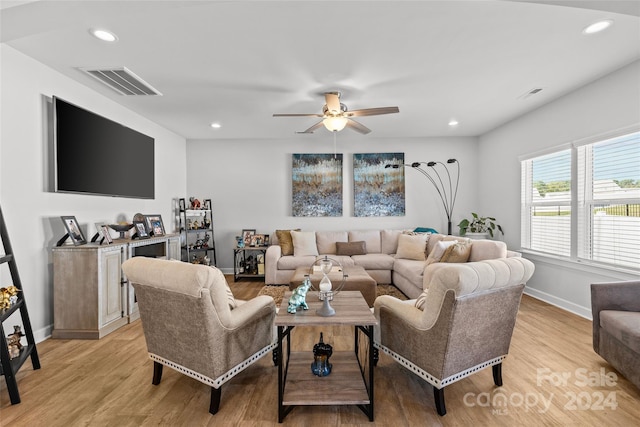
pixel 266 240
pixel 155 226
pixel 257 240
pixel 141 229
pixel 106 235
pixel 246 235
pixel 73 230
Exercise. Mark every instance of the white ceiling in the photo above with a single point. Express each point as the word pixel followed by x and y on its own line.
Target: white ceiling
pixel 239 62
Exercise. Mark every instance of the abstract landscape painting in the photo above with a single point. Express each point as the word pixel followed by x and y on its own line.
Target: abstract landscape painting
pixel 378 191
pixel 317 185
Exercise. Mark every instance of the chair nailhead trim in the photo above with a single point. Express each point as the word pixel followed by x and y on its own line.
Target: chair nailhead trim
pixel 438 383
pixel 218 382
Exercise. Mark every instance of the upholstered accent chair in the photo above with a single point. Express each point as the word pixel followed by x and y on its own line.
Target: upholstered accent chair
pixel 193 324
pixel 615 308
pixel 466 322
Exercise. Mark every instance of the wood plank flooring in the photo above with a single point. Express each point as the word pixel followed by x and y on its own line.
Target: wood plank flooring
pixel 108 383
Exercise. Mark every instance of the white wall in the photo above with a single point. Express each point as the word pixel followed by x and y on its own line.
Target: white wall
pixel 32 214
pixel 607 104
pixel 249 183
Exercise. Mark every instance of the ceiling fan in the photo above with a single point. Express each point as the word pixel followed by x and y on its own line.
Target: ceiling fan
pixel 336 117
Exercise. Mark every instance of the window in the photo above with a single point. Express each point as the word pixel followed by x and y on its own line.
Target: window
pixel 583 202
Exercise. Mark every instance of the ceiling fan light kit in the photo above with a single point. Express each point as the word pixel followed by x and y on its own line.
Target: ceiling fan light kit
pixel 335 115
pixel 335 123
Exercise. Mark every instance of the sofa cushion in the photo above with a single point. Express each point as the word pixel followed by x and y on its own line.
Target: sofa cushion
pixel 372 237
pixel 374 261
pixel 351 248
pixel 409 268
pixel 389 241
pixel 326 241
pixel 285 241
pixel 293 262
pixel 304 243
pixel 624 326
pixel 458 252
pixel 436 254
pixel 487 249
pixel 412 246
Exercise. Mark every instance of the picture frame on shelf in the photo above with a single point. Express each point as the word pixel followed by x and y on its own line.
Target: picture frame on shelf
pixel 266 240
pixel 142 231
pixel 73 230
pixel 247 234
pixel 257 240
pixel 106 235
pixel 155 226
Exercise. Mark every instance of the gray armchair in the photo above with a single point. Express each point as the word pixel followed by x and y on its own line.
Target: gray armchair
pixel 465 324
pixel 615 308
pixel 193 324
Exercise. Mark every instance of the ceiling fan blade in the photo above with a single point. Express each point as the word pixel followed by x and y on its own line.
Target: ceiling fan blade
pixel 298 115
pixel 372 111
pixel 333 102
pixel 358 127
pixel 312 128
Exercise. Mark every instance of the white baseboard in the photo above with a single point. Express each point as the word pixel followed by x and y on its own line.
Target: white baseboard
pixel 42 334
pixel 559 302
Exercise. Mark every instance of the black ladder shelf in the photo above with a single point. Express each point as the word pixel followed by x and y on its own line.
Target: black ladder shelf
pixel 9 366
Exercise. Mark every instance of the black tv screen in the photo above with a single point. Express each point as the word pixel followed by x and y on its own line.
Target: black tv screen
pixel 94 155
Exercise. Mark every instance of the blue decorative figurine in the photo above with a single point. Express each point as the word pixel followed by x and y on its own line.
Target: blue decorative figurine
pixel 321 354
pixel 298 297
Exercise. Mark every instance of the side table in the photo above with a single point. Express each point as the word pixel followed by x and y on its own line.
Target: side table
pixel 351 379
pixel 248 266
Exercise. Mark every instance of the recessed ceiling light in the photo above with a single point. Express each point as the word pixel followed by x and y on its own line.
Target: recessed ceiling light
pixel 104 35
pixel 453 122
pixel 216 125
pixel 596 27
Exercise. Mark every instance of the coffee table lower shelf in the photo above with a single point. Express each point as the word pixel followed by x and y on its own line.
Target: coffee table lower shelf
pixel 344 386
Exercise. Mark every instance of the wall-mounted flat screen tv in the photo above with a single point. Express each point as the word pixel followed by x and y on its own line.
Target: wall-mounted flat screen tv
pixel 95 155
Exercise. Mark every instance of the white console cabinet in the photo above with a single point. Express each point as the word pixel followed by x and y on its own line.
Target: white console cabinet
pixel 92 297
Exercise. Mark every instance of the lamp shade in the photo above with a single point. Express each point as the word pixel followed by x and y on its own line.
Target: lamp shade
pixel 335 123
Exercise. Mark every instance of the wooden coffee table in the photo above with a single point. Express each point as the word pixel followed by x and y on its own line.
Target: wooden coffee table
pixel 357 280
pixel 351 378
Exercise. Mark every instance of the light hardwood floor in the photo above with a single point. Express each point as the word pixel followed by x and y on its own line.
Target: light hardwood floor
pixel 108 383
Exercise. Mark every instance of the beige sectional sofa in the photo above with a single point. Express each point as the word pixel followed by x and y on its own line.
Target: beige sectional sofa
pixel 374 250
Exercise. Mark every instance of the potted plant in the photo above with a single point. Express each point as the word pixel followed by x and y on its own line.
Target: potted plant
pixel 479 226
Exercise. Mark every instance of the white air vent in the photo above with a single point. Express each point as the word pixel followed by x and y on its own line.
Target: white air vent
pixel 122 81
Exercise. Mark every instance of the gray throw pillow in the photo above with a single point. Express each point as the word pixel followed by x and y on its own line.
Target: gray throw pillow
pixel 351 248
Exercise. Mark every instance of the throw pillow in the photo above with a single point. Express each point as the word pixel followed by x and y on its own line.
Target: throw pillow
pixel 422 300
pixel 412 246
pixel 285 241
pixel 458 252
pixel 438 251
pixel 351 248
pixel 304 243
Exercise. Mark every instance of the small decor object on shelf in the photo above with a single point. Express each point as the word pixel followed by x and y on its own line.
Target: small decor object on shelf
pixel 121 228
pixel 326 289
pixel 240 241
pixel 8 296
pixel 298 298
pixel 13 342
pixel 321 354
pixel 195 203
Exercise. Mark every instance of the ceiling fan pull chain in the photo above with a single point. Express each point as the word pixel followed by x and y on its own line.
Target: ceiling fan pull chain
pixel 334 145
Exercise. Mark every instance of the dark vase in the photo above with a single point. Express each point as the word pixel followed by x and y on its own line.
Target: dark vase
pixel 321 354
